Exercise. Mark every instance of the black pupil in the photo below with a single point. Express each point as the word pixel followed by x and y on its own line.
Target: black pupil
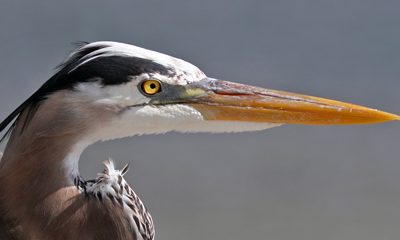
pixel 152 85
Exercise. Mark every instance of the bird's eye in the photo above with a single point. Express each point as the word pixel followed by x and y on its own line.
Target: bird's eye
pixel 151 87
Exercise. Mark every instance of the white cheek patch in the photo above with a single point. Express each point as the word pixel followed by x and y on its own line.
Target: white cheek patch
pixel 147 120
pixel 184 118
pixel 122 95
pixel 161 119
pixel 176 112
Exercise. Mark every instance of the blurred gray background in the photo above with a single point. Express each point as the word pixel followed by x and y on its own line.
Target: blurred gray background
pixel 291 182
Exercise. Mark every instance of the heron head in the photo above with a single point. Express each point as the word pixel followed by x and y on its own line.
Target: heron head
pixel 123 90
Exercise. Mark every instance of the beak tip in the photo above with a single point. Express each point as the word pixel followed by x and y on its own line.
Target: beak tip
pixel 396 118
pixel 388 117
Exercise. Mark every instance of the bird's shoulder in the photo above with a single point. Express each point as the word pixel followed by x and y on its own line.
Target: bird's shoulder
pixel 111 188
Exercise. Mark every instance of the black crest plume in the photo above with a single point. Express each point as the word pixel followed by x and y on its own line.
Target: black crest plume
pixel 57 82
pixel 86 64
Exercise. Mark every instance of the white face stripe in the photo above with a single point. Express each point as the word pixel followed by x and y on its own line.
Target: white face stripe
pixel 122 95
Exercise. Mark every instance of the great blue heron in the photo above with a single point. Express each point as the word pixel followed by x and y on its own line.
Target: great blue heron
pixel 108 90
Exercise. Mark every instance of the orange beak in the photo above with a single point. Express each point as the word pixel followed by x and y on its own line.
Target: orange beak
pixel 228 101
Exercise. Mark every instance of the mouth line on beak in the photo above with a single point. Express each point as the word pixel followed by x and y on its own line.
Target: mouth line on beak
pixel 326 116
pixel 258 95
pixel 255 107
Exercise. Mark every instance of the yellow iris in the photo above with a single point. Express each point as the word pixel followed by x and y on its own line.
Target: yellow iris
pixel 151 87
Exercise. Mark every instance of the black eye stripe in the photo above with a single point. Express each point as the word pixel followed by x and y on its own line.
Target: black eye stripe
pixel 116 70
